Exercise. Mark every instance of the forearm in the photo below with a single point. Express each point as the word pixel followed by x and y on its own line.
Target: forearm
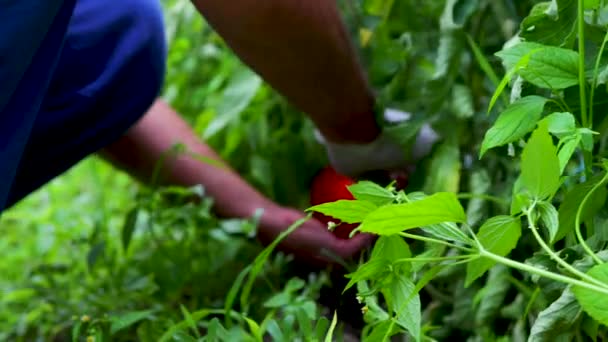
pixel 147 143
pixel 301 48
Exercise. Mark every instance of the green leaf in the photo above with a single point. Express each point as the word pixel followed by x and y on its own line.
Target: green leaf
pixel 239 93
pixel 561 124
pixel 373 269
pixel 348 211
pixel 97 251
pixel 332 327
pixel 498 235
pixel 124 321
pixel 516 121
pixel 492 295
pixel 129 227
pixel 391 248
pixel 192 322
pixel 549 218
pixel 371 192
pixel 551 23
pixel 259 262
pixel 405 306
pixel 479 183
pixel 395 218
pixel 591 4
pixel 321 327
pixel 445 170
pixel 462 102
pixel 380 332
pixel 593 302
pixel 573 199
pixel 556 319
pixel 448 231
pixel 540 169
pixel 522 63
pixel 549 67
pixel 568 147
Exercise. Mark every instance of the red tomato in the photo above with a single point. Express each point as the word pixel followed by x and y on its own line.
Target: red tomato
pixel 330 186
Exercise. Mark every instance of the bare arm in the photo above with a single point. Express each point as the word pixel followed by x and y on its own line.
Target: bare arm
pixel 160 129
pixel 143 146
pixel 301 48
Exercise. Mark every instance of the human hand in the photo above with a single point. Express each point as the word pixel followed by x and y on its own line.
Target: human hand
pixel 381 154
pixel 312 242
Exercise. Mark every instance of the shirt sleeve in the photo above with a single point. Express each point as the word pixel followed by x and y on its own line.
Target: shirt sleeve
pixel 32 33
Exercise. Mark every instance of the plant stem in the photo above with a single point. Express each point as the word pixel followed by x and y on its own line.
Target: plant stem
pixel 455 257
pixel 440 242
pixel 581 63
pixel 577 221
pixel 543 273
pixel 559 260
pixel 595 74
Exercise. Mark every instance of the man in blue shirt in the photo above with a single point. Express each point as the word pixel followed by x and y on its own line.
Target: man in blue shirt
pixel 82 76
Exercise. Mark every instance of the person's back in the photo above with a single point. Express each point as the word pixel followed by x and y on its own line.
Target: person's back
pixel 31 36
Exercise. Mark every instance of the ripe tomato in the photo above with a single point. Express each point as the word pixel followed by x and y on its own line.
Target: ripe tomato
pixel 330 186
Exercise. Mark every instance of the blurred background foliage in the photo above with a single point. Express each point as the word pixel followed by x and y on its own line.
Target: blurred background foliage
pixel 68 263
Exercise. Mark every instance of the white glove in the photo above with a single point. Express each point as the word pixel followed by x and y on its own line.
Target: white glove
pixel 381 154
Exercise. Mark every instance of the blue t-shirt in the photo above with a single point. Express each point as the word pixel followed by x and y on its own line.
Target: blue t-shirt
pixel 32 33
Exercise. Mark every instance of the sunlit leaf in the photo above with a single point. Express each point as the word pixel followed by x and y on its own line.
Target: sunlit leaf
pixel 395 218
pixel 540 169
pixel 349 211
pixel 516 121
pixel 371 192
pixel 594 303
pixel 498 235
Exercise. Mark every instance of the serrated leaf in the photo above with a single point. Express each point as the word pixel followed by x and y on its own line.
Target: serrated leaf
pixel 549 67
pixel 498 235
pixel 549 218
pixel 516 121
pixel 573 199
pixel 405 306
pixel 124 321
pixel 395 218
pixel 555 319
pixel 348 211
pixel 540 170
pixel 593 302
pixel 371 192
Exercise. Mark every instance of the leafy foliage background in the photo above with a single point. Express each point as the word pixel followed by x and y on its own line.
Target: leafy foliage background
pixel 95 254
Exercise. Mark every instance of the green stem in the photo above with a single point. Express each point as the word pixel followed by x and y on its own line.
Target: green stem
pixel 559 260
pixel 540 272
pixel 455 257
pixel 431 240
pixel 595 74
pixel 581 63
pixel 577 222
